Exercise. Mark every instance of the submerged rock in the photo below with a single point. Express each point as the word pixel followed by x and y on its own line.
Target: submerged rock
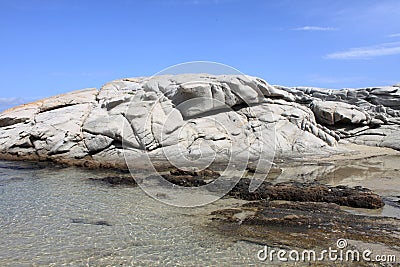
pixel 116 180
pixel 191 178
pixel 89 221
pixel 178 118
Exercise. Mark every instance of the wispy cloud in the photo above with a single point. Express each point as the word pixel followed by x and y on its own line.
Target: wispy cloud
pixel 8 102
pixel 314 28
pixel 394 35
pixel 367 52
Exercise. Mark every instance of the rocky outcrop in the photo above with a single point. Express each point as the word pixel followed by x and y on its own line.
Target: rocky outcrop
pixel 304 225
pixel 369 116
pixel 193 117
pixel 309 192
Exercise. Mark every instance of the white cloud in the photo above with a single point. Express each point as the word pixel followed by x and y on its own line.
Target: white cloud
pixel 393 35
pixel 10 100
pixel 314 28
pixel 367 52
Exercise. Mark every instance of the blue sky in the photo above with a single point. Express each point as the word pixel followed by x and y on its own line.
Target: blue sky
pixel 55 46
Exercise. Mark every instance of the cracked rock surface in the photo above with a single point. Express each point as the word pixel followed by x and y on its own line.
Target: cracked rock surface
pixel 175 118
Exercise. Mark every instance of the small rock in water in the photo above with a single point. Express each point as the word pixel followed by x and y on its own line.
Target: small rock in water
pixel 116 180
pixel 93 222
pixel 191 178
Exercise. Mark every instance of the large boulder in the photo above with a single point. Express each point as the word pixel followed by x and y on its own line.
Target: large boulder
pixel 181 119
pixel 333 112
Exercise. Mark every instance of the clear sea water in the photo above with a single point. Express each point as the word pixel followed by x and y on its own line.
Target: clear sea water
pixel 53 216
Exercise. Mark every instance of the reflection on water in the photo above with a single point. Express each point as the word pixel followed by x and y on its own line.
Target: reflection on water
pixel 57 215
pixel 381 173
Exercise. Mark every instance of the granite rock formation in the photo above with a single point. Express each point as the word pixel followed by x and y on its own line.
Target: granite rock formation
pixel 175 118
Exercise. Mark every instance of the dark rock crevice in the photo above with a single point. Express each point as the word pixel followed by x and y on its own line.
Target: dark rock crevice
pixel 47 109
pixel 4 122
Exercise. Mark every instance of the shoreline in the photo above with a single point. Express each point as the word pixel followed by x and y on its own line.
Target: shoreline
pixel 244 221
